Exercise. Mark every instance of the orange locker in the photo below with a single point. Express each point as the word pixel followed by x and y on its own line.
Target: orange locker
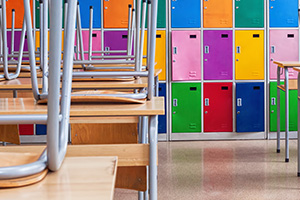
pixel 116 13
pixel 19 12
pixel 217 14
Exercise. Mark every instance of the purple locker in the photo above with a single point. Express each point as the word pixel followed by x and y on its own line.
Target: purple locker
pixel 96 40
pixel 186 55
pixel 115 40
pixel 16 42
pixel 217 57
pixel 284 46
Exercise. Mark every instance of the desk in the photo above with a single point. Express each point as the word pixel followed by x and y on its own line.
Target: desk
pixel 286 87
pixel 79 178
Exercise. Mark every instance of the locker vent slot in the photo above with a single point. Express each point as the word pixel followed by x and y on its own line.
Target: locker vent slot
pixel 193 88
pixel 256 35
pixel 224 36
pixel 256 88
pixel 160 89
pixel 124 36
pixel 290 35
pixel 193 36
pixel 94 34
pixel 224 88
pixel 158 36
pixel 25 36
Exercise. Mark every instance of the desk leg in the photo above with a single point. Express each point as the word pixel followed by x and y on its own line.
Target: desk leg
pixel 153 156
pixel 286 115
pixel 278 110
pixel 298 147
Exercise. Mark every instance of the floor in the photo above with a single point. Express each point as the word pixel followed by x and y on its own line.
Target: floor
pixel 224 170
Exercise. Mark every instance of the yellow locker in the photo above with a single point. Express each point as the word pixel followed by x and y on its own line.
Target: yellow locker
pixel 249 55
pixel 160 54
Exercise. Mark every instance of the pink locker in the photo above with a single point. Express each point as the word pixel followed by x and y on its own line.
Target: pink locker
pixel 284 46
pixel 96 42
pixel 186 56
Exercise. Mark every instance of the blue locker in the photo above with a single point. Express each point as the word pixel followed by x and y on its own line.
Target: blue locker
pixel 85 13
pixel 40 129
pixel 283 13
pixel 250 107
pixel 185 14
pixel 162 119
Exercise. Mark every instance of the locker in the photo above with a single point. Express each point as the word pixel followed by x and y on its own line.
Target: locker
pixel 96 42
pixel 186 107
pixel 249 13
pixel 217 107
pixel 85 13
pixel 217 55
pixel 186 55
pixel 19 12
pixel 161 14
pixel 26 129
pixel 284 46
pixel 217 14
pixel 41 129
pixel 180 18
pixel 283 13
pixel 250 107
pixel 17 41
pixel 115 40
pixel 115 14
pixel 160 53
pixel 37 41
pixel 37 14
pixel 293 105
pixel 162 119
pixel 249 55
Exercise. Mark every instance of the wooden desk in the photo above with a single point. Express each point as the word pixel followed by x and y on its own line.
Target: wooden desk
pixel 79 178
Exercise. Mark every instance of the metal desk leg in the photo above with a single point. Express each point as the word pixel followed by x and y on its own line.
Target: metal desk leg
pixel 278 110
pixel 298 147
pixel 141 135
pixel 153 156
pixel 286 115
pixel 144 140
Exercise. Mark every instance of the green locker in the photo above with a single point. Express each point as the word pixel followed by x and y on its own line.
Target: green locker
pixel 249 13
pixel 293 109
pixel 37 14
pixel 161 14
pixel 186 107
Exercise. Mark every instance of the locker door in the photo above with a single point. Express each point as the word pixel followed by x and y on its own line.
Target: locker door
pixel 293 105
pixel 182 19
pixel 115 40
pixel 161 14
pixel 249 13
pixel 186 55
pixel 250 107
pixel 17 41
pixel 162 119
pixel 160 53
pixel 19 12
pixel 41 129
pixel 186 107
pixel 37 14
pixel 283 13
pixel 284 46
pixel 115 14
pixel 85 13
pixel 217 55
pixel 249 55
pixel 217 13
pixel 96 42
pixel 26 129
pixel 217 107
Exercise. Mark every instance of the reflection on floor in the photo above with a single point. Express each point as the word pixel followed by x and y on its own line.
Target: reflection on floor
pixel 224 170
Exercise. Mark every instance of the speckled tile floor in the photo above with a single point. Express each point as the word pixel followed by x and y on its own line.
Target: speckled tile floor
pixel 224 170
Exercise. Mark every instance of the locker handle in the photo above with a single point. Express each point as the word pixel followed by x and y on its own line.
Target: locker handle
pixel 206 49
pixel 273 101
pixel 106 49
pixel 175 102
pixel 238 49
pixel 175 50
pixel 239 102
pixel 272 49
pixel 206 102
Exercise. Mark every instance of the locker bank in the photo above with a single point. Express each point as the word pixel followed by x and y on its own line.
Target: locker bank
pixel 218 120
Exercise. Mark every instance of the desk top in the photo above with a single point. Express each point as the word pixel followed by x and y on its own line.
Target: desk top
pixel 79 178
pixel 287 64
pixel 11 106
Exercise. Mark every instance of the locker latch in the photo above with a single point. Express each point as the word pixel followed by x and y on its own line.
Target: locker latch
pixel 206 49
pixel 175 102
pixel 239 102
pixel 106 49
pixel 273 101
pixel 238 49
pixel 175 50
pixel 272 49
pixel 206 102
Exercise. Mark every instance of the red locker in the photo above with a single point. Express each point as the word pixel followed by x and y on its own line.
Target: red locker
pixel 217 107
pixel 26 129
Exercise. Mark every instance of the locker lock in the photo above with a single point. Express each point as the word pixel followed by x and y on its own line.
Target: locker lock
pixel 206 112
pixel 272 111
pixel 238 112
pixel 237 59
pixel 174 112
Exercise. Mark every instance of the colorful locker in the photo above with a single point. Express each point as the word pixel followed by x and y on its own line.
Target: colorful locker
pixel 161 14
pixel 250 107
pixel 41 129
pixel 217 107
pixel 217 55
pixel 37 14
pixel 115 14
pixel 186 107
pixel 217 14
pixel 85 13
pixel 96 42
pixel 162 119
pixel 115 40
pixel 160 53
pixel 249 55
pixel 17 41
pixel 17 5
pixel 180 18
pixel 293 105
pixel 283 13
pixel 249 13
pixel 284 46
pixel 26 129
pixel 186 55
